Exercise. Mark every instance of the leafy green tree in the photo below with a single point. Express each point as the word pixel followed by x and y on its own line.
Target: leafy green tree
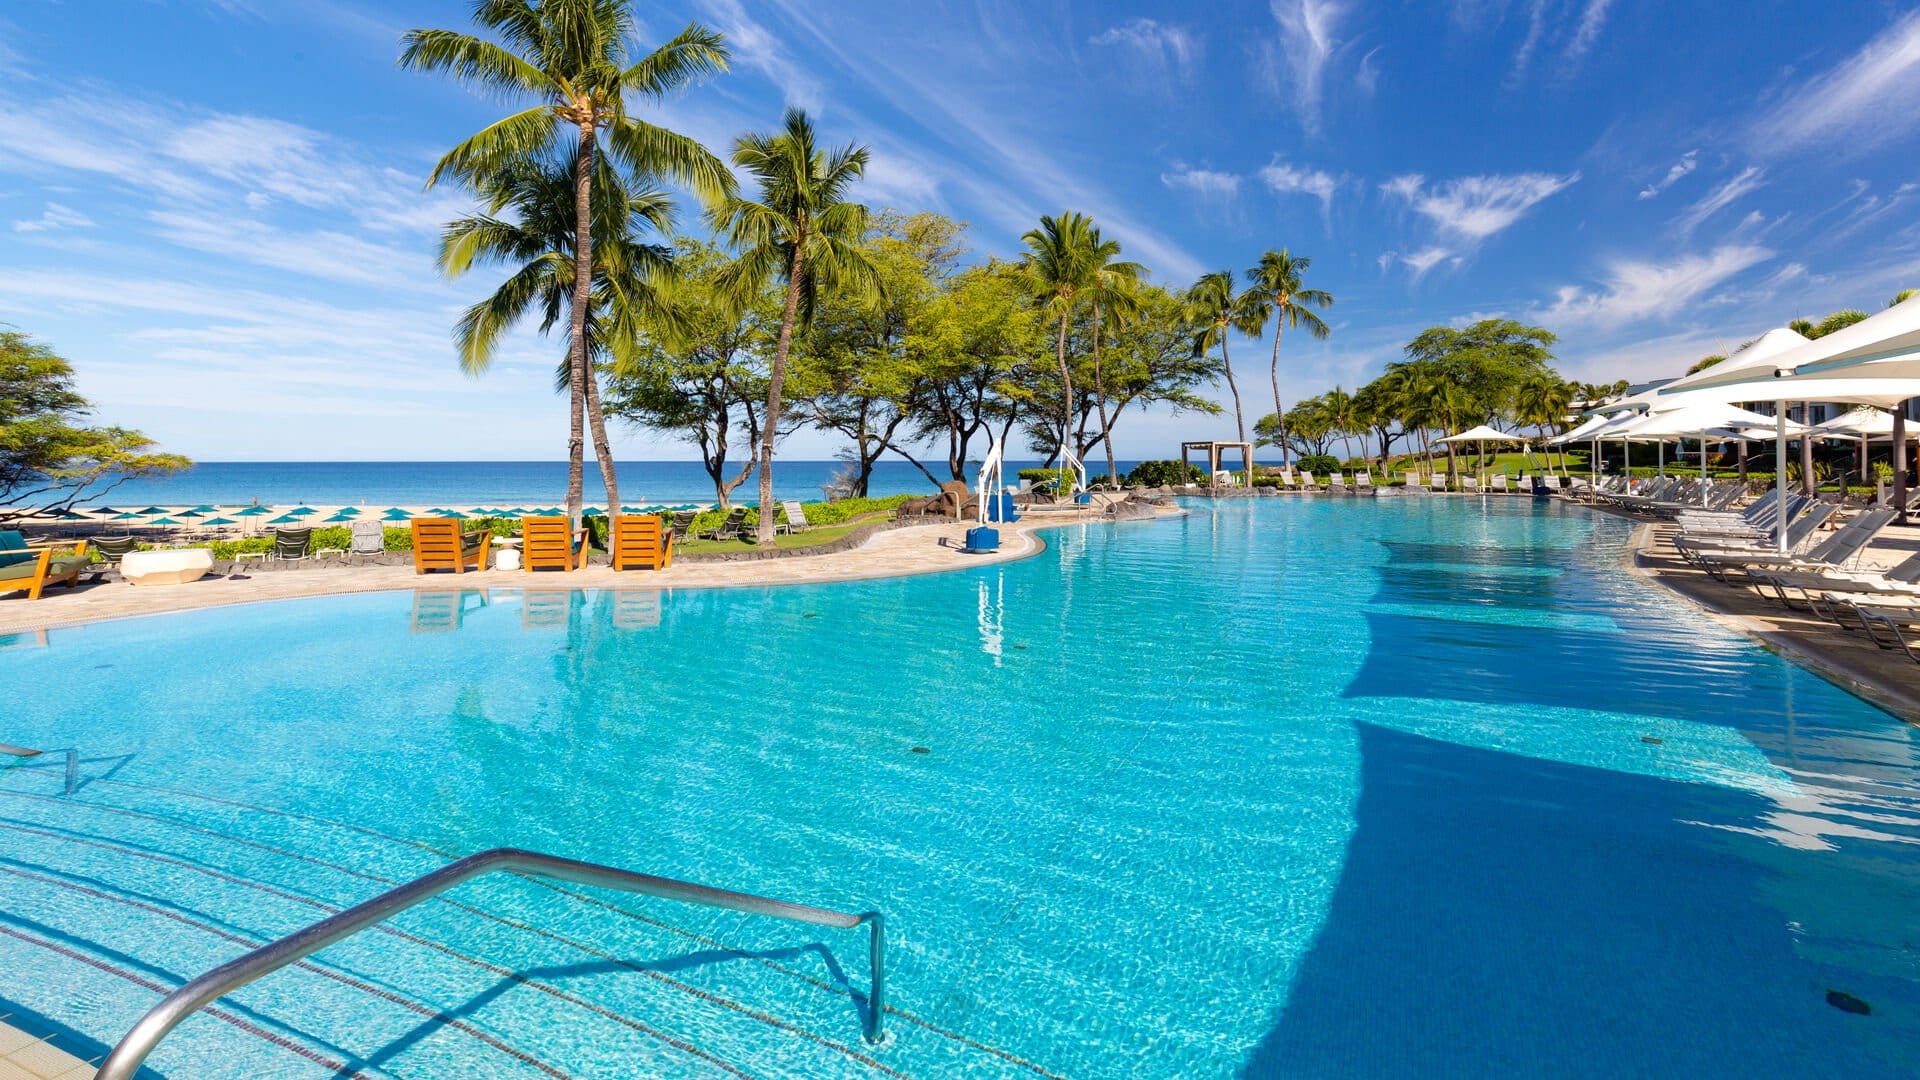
pixel 528 224
pixel 1705 362
pixel 50 458
pixel 695 369
pixel 573 59
pixel 1068 260
pixel 856 366
pixel 1216 310
pixel 1148 361
pixel 973 353
pixel 1276 294
pixel 802 231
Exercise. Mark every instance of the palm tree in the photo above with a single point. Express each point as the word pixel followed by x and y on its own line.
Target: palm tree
pixel 1274 289
pixel 1068 262
pixel 573 59
pixel 536 237
pixel 802 231
pixel 1902 296
pixel 1112 293
pixel 1542 399
pixel 1213 306
pixel 1339 406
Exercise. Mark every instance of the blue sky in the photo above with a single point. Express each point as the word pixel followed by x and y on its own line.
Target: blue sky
pixel 215 207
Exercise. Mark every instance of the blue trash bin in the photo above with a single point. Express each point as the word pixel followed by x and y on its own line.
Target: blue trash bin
pixel 982 538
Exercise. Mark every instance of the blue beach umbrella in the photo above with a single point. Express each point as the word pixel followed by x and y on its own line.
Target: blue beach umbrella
pixel 152 510
pixel 285 519
pixel 336 518
pixel 203 508
pixel 163 521
pixel 396 514
pixel 346 511
pixel 220 521
pixel 302 511
pixel 254 511
pixel 592 511
pixel 103 510
pixel 194 513
pixel 126 517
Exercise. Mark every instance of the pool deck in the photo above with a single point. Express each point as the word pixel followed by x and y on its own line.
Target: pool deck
pixel 25 1056
pixel 1886 678
pixel 914 549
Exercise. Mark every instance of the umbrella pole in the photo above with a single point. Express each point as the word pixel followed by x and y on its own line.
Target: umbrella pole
pixel 1660 456
pixel 1780 475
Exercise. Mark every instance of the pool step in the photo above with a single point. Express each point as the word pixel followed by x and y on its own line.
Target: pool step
pixel 160 887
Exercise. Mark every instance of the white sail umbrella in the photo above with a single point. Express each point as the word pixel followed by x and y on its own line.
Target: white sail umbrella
pixel 1483 435
pixel 1694 421
pixel 1861 422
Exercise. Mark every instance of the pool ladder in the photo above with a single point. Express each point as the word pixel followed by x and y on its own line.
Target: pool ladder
pixel 133 1049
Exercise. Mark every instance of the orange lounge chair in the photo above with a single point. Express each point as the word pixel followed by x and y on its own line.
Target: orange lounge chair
pixel 438 544
pixel 43 568
pixel 547 543
pixel 641 541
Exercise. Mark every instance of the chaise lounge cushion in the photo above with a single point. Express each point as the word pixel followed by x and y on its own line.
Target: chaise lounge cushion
pixel 60 567
pixel 13 548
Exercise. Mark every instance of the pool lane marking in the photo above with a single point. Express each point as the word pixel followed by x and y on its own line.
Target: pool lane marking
pixel 965 1040
pixel 343 978
pixel 140 852
pixel 217 1013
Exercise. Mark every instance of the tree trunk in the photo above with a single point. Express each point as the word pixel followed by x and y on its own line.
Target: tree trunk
pixel 1226 364
pixel 776 377
pixel 1066 384
pixel 582 297
pixel 1100 398
pixel 602 453
pixel 1280 413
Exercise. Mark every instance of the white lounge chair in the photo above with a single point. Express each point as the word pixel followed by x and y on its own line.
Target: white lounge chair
pixel 1498 482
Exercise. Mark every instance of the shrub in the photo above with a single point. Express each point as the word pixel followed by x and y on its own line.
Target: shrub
pixel 1165 473
pixel 1317 463
pixel 1051 479
pixel 818 513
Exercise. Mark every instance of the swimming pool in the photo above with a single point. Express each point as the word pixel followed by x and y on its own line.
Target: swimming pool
pixel 1297 787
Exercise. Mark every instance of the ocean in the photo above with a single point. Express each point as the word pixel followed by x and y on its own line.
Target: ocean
pixel 464 484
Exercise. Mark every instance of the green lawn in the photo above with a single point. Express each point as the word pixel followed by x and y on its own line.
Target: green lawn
pixel 824 534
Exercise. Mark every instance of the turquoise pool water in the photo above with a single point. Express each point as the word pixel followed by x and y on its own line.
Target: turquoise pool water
pixel 1287 788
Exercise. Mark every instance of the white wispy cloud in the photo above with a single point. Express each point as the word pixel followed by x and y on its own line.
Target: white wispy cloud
pixel 55 216
pixel 1687 163
pixel 1720 198
pixel 322 253
pixel 1473 208
pixel 1593 18
pixel 1207 182
pixel 754 46
pixel 1167 51
pixel 1294 60
pixel 1640 290
pixel 1862 102
pixel 1426 259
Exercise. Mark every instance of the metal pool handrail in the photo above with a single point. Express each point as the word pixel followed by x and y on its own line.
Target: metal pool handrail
pixel 132 1051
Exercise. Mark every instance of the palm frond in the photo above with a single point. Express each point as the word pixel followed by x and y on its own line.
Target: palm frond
pixel 474 60
pixel 654 152
pixel 477 334
pixel 694 53
pixel 524 134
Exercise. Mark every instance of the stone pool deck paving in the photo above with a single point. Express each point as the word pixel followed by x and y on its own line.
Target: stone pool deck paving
pixel 899 552
pixel 1885 677
pixel 25 1056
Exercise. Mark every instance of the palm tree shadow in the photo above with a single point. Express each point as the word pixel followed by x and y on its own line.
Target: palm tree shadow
pixel 558 973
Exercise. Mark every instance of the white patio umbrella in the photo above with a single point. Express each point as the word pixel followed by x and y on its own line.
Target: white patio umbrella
pixel 1694 421
pixel 1483 435
pixel 1861 422
pixel 1584 433
pixel 1876 361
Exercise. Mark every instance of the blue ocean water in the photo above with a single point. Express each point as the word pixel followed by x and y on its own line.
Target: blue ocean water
pixel 475 483
pixel 1288 788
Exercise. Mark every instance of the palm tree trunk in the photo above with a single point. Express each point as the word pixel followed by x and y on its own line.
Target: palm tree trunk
pixel 1226 364
pixel 776 378
pixel 1806 453
pixel 582 296
pixel 1279 411
pixel 1100 397
pixel 602 453
pixel 1066 383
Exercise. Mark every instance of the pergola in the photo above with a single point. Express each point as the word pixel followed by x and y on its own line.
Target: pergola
pixel 1214 450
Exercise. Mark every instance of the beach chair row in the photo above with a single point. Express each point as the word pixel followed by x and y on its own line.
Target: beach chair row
pixel 1336 482
pixel 636 542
